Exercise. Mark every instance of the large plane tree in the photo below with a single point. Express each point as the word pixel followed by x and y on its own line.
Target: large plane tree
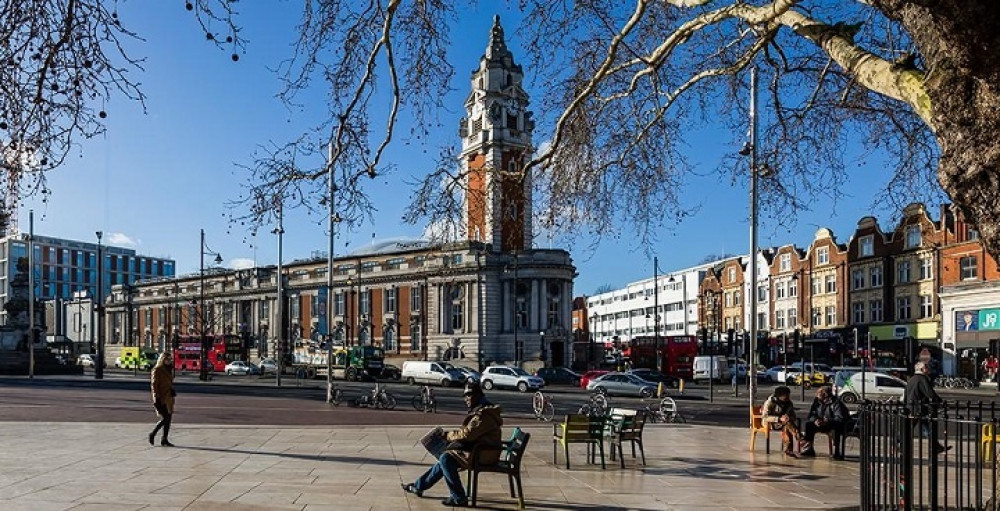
pixel 622 87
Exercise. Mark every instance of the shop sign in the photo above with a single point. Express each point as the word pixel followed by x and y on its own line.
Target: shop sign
pixel 977 319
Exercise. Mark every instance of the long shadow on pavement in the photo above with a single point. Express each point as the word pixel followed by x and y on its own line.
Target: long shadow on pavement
pixel 307 457
pixel 482 503
pixel 706 468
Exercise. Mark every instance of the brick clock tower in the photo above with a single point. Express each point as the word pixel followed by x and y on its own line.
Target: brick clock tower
pixel 496 145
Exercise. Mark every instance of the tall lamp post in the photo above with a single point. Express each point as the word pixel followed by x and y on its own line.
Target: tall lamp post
pixel 751 363
pixel 656 313
pixel 203 373
pixel 334 219
pixel 99 365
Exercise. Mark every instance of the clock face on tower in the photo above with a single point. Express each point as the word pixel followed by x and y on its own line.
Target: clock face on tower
pixel 512 104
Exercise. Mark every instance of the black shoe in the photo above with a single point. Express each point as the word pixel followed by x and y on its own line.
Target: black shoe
pixel 166 443
pixel 808 452
pixel 450 501
pixel 411 488
pixel 838 457
pixel 152 437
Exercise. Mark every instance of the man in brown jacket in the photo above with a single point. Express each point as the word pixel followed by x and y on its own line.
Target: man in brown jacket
pixel 480 428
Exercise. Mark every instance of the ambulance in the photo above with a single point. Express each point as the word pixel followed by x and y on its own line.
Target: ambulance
pixel 133 357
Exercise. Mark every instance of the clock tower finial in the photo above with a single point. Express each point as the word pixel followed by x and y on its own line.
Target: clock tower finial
pixel 496 145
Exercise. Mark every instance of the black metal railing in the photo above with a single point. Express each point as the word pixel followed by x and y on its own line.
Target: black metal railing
pixel 945 459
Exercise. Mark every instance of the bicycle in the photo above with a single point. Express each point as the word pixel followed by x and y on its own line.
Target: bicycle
pixel 665 411
pixel 425 400
pixel 379 398
pixel 334 395
pixel 598 406
pixel 542 406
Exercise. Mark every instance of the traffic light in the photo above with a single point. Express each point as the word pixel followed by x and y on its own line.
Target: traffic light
pixel 729 336
pixel 704 335
pixel 798 340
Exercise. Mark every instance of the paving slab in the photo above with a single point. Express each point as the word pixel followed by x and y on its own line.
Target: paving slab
pixel 80 466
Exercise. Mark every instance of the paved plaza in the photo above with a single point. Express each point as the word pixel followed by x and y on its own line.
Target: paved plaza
pixel 111 467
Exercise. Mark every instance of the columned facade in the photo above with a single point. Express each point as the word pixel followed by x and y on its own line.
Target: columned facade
pixel 489 298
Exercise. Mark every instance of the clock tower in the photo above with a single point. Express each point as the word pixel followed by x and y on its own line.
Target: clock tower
pixel 496 145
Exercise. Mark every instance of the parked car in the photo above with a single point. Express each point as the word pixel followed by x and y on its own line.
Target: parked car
pixel 510 377
pixel 391 372
pixel 590 375
pixel 780 374
pixel 827 371
pixel 471 375
pixel 622 384
pixel 654 377
pixel 558 375
pixel 435 373
pixel 711 366
pixel 849 386
pixel 87 360
pixel 241 367
pixel 269 366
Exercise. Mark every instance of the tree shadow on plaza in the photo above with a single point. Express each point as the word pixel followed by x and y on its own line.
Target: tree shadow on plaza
pixel 308 457
pixel 499 503
pixel 707 468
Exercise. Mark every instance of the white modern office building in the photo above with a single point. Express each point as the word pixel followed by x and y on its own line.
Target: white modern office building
pixel 632 311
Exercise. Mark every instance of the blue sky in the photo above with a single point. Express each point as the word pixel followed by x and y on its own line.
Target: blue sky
pixel 159 177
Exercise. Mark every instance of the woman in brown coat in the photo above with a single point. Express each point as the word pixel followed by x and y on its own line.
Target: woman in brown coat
pixel 162 384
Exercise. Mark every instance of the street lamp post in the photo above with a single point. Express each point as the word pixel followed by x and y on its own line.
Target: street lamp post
pixel 656 314
pixel 279 340
pixel 751 363
pixel 334 219
pixel 99 365
pixel 203 373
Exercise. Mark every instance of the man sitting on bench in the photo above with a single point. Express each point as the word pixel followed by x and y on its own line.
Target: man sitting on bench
pixel 828 414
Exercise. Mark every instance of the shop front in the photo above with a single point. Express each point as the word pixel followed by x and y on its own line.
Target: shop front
pixel 970 328
pixel 899 346
pixel 977 343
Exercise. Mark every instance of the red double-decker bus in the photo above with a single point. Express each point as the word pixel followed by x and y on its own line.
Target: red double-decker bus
pixel 187 353
pixel 676 354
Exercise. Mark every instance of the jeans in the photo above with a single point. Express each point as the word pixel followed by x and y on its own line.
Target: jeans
pixel 165 417
pixel 446 467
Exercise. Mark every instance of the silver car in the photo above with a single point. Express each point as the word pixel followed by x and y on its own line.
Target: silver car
pixel 510 377
pixel 621 384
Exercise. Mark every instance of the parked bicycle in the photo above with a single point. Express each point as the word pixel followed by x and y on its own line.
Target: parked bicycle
pixel 953 382
pixel 598 406
pixel 543 407
pixel 379 398
pixel 425 400
pixel 664 411
pixel 334 395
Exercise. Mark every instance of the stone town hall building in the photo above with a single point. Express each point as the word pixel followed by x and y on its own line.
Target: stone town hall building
pixel 489 298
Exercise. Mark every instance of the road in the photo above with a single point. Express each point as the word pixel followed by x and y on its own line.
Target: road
pixel 236 400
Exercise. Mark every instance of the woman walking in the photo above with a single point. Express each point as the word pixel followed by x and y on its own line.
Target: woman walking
pixel 162 384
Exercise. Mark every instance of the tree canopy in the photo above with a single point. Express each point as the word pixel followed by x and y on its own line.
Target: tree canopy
pixel 917 79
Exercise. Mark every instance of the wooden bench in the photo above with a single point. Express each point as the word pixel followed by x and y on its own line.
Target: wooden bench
pixel 579 429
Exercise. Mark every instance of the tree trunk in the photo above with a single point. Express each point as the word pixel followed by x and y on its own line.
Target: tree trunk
pixel 960 44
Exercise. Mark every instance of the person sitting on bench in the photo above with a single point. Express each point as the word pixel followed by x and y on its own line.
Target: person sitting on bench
pixel 828 414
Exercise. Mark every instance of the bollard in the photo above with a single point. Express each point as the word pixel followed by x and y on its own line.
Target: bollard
pixel 680 386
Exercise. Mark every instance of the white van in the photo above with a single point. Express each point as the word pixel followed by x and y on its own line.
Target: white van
pixel 437 373
pixel 703 367
pixel 877 386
